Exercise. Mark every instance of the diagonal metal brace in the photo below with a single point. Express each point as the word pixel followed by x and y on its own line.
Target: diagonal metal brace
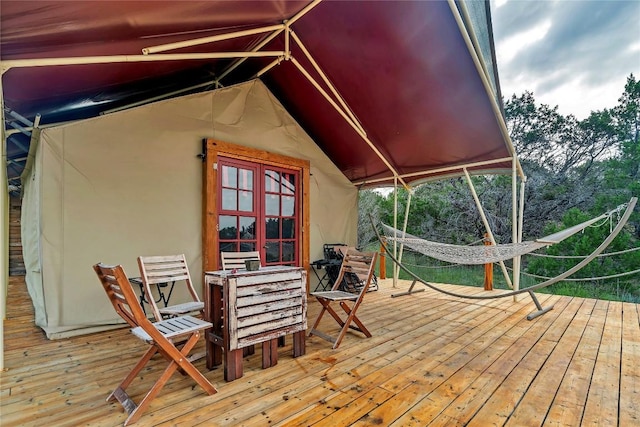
pixel 540 311
pixel 409 292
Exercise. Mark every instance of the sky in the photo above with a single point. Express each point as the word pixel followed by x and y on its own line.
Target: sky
pixel 574 54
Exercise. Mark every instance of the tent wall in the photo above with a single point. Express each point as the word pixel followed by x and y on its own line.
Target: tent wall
pixel 130 183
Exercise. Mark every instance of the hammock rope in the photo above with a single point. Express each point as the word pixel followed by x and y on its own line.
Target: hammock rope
pixel 584 256
pixel 586 279
pixel 472 255
pixel 621 223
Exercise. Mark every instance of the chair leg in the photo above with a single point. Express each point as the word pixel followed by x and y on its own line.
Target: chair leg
pixel 344 324
pixel 191 370
pixel 317 322
pixel 326 308
pixel 119 392
pixel 341 335
pixel 151 394
pixel 135 411
pixel 352 314
pixel 351 317
pixel 335 316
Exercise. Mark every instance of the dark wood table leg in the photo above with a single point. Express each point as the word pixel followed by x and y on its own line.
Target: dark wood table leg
pixel 299 343
pixel 232 365
pixel 213 314
pixel 269 353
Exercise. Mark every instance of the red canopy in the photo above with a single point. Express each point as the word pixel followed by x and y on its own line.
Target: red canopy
pixel 405 88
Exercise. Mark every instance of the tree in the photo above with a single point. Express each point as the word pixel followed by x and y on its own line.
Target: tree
pixel 622 177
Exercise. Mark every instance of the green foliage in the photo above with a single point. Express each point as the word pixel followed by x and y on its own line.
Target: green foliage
pixel 582 244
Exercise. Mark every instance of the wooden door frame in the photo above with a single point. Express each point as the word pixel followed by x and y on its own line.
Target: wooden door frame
pixel 212 150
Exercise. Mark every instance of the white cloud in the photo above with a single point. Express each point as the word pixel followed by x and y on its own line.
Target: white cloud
pixel 575 55
pixel 508 48
pixel 578 98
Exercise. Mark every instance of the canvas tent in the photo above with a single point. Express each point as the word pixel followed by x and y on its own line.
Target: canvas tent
pixel 115 187
pixel 390 92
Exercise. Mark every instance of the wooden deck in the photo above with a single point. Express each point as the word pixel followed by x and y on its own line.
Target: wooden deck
pixel 433 360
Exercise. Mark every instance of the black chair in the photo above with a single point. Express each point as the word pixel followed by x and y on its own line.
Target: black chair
pixel 330 264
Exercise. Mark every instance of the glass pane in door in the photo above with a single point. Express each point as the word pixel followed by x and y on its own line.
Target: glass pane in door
pixel 280 216
pixel 237 215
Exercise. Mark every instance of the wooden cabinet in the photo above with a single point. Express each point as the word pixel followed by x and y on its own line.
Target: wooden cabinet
pixel 254 307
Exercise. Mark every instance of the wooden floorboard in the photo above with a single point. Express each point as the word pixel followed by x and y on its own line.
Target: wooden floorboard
pixel 433 360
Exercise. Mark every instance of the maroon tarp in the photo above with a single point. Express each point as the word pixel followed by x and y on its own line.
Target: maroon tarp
pixel 401 66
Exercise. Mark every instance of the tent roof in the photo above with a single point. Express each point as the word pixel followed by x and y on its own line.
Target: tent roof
pixel 385 88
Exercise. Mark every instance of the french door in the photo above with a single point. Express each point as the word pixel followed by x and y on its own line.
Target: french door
pixel 254 201
pixel 258 210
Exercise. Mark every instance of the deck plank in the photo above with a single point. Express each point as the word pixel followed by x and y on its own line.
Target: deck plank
pixel 433 360
pixel 630 368
pixel 569 401
pixel 602 400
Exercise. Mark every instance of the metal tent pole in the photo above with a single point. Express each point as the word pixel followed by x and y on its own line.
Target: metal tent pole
pixel 514 226
pixel 4 223
pixel 486 224
pixel 396 269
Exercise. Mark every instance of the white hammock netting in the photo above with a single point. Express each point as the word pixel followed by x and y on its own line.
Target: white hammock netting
pixel 472 255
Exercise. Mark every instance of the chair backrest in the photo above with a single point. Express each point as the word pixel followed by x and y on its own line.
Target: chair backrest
pixel 231 260
pixel 358 265
pixel 164 269
pixel 125 301
pixel 120 292
pixel 332 251
pixel 343 249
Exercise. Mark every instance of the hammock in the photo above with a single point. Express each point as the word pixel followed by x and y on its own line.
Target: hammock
pixel 472 255
pixel 621 223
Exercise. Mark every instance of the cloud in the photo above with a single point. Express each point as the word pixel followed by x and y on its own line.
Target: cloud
pixel 567 52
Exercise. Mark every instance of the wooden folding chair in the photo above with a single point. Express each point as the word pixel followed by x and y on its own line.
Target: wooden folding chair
pixel 357 264
pixel 231 260
pixel 171 269
pixel 161 336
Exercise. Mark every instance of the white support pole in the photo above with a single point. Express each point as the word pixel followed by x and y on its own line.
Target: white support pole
pixel 4 223
pixel 348 120
pixel 235 64
pixel 485 81
pixel 287 43
pixel 396 269
pixel 437 171
pixel 328 98
pixel 404 227
pixel 87 60
pixel 514 226
pixel 325 79
pixel 521 214
pixel 272 36
pixel 211 39
pixel 304 11
pixel 269 66
pixel 486 224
